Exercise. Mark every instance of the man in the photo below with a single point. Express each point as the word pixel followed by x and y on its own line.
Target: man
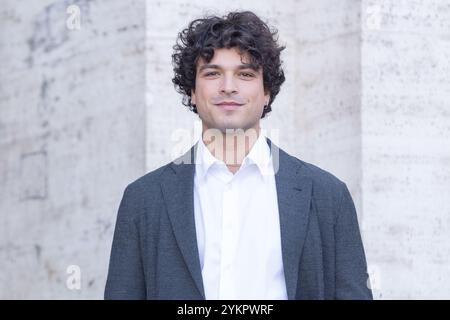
pixel 235 217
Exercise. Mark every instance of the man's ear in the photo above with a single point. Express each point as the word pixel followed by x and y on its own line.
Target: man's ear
pixel 192 96
pixel 267 97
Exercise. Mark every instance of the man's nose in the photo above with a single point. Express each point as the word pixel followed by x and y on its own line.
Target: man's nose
pixel 228 85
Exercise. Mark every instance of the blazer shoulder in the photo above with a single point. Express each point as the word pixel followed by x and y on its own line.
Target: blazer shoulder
pixel 329 193
pixel 143 194
pixel 147 182
pixel 325 183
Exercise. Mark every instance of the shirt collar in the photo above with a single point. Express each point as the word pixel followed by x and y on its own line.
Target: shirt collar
pixel 204 159
pixel 259 155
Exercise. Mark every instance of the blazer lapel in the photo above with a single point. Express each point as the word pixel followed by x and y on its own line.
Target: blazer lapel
pixel 177 187
pixel 294 198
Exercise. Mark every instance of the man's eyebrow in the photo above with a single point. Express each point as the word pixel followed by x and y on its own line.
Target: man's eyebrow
pixel 241 66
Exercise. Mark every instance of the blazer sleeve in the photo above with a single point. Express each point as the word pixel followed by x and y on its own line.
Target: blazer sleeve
pixel 352 280
pixel 125 278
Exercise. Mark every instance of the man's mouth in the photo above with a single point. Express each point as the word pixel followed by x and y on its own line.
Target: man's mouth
pixel 229 105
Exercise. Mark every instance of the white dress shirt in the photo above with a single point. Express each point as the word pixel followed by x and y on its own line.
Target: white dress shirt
pixel 237 226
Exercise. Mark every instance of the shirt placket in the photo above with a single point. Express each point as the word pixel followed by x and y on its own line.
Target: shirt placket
pixel 228 242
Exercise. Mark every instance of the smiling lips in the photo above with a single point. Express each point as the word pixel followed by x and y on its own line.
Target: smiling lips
pixel 229 105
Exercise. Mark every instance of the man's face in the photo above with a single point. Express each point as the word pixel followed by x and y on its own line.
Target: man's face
pixel 228 77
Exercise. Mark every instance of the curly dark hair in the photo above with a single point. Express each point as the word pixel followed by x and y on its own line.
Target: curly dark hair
pixel 243 30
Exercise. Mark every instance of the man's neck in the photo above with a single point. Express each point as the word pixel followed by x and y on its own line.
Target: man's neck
pixel 231 146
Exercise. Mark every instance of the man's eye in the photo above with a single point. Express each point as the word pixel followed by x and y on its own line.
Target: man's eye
pixel 211 73
pixel 248 75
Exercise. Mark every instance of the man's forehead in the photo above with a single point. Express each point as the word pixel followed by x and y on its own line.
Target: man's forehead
pixel 244 61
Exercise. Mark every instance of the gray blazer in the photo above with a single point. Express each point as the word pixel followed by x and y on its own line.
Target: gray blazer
pixel 154 252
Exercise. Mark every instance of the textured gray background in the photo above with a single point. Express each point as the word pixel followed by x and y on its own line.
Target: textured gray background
pixel 84 112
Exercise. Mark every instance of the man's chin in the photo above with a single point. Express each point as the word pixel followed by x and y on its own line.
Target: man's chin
pixel 230 126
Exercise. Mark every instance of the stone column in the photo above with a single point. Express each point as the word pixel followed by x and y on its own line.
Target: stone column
pixel 405 115
pixel 72 135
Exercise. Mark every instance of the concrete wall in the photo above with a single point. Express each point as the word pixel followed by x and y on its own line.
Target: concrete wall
pixel 406 146
pixel 327 91
pixel 72 135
